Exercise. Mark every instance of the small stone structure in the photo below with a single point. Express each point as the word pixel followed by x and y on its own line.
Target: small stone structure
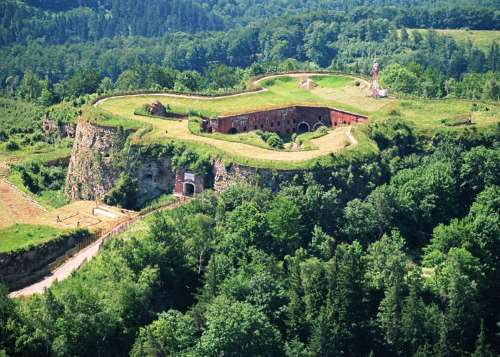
pixel 188 183
pixel 307 83
pixel 284 120
pixel 157 109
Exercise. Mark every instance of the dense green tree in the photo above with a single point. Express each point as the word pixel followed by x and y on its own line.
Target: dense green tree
pixel 82 82
pixel 339 324
pixel 237 329
pixel 171 334
pixel 283 219
pixel 386 261
pixel 124 193
pixel 399 79
pixel 482 347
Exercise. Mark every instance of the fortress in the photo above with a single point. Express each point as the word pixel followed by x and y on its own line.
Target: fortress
pixel 294 119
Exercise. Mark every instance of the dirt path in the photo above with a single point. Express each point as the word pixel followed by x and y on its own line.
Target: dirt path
pixel 16 206
pixel 334 141
pixel 81 257
pixel 222 96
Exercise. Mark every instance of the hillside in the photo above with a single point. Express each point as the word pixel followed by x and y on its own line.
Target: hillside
pixel 235 178
pixel 334 91
pixel 481 39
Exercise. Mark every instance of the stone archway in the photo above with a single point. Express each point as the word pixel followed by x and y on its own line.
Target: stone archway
pixel 189 189
pixel 318 125
pixel 232 131
pixel 303 127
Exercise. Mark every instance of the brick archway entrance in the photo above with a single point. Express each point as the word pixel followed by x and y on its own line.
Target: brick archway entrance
pixel 303 127
pixel 189 189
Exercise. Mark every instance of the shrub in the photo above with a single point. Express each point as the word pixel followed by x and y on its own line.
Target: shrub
pixel 124 194
pixel 454 122
pixel 274 141
pixel 38 177
pixel 323 130
pixel 3 135
pixel 12 145
pixel 479 107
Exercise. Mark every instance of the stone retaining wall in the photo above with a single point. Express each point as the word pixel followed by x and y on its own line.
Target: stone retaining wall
pixel 21 267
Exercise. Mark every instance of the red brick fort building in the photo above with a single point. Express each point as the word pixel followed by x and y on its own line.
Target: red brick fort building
pixel 294 119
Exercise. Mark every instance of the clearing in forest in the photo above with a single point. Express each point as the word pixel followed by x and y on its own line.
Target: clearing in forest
pixel 482 39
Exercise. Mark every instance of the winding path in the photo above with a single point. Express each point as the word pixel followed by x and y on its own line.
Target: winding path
pixel 336 140
pixel 62 272
pixel 224 96
pixel 83 256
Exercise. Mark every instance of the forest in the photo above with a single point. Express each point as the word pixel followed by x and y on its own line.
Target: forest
pixel 394 252
pixel 390 254
pixel 342 36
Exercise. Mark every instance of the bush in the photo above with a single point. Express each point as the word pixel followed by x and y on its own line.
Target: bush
pixel 38 177
pixel 479 107
pixel 271 139
pixel 274 141
pixel 124 194
pixel 323 130
pixel 12 145
pixel 3 135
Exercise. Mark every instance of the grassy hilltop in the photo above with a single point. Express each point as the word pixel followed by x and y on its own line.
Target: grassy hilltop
pixel 342 92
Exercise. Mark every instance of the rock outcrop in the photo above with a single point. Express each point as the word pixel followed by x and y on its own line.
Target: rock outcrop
pixel 91 172
pixel 228 175
pixel 63 130
pixel 99 157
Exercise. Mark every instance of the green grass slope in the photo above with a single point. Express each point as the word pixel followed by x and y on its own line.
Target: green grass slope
pixel 342 92
pixel 482 39
pixel 24 235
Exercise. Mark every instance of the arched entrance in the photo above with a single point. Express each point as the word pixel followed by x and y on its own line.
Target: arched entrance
pixel 232 131
pixel 189 189
pixel 303 127
pixel 318 125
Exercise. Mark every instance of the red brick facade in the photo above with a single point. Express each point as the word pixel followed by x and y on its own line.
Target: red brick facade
pixel 284 120
pixel 188 183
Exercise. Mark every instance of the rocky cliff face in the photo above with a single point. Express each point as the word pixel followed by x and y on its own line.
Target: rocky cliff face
pixel 227 175
pixel 100 155
pixel 98 159
pixel 91 172
pixel 62 130
pixel 155 176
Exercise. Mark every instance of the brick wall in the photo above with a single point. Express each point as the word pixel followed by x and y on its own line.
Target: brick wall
pixel 183 177
pixel 284 120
